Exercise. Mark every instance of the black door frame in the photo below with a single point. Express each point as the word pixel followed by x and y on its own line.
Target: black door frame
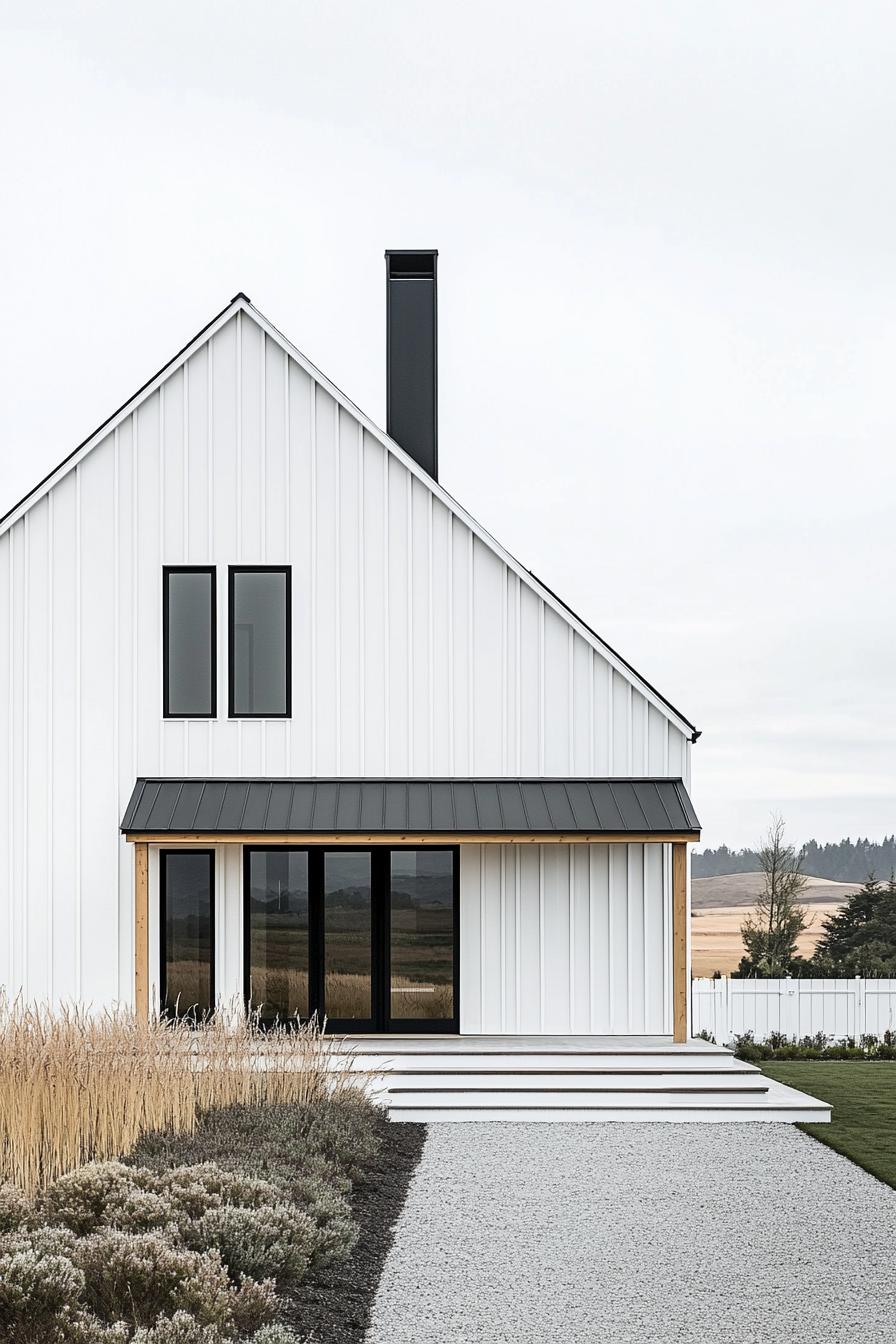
pixel 381 1022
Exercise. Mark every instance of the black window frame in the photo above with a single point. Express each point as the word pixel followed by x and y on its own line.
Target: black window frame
pixel 190 1014
pixel 232 571
pixel 211 571
pixel 381 1022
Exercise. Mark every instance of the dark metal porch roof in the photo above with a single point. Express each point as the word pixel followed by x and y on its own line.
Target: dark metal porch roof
pixel 463 807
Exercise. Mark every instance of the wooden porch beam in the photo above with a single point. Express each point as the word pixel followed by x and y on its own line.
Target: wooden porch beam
pixel 679 942
pixel 399 838
pixel 141 930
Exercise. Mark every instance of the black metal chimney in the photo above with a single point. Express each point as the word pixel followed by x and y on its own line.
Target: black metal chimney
pixel 411 380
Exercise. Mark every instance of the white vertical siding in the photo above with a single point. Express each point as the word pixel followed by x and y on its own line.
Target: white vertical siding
pixel 416 651
pixel 564 938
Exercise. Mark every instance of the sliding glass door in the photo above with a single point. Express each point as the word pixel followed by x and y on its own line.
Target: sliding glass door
pixel 421 939
pixel 277 930
pixel 364 937
pixel 347 942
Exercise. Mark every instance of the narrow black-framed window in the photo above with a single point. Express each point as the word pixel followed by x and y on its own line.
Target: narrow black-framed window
pixel 260 641
pixel 187 932
pixel 189 639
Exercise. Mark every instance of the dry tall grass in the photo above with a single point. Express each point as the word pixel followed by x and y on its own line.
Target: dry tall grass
pixel 76 1087
pixel 281 989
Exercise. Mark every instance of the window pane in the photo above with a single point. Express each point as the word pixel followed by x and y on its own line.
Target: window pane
pixel 422 934
pixel 348 943
pixel 187 900
pixel 258 631
pixel 190 644
pixel 278 933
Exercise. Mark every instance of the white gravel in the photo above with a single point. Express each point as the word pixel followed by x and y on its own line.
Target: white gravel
pixel 627 1232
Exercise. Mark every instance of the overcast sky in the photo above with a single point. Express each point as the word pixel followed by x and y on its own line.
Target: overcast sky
pixel 667 305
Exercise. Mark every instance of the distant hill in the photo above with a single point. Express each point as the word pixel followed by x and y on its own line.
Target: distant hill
pixel 719 906
pixel 845 861
pixel 741 889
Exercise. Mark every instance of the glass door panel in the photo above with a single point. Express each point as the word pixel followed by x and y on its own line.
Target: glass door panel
pixel 187 920
pixel 348 937
pixel 278 933
pixel 421 935
pixel 366 938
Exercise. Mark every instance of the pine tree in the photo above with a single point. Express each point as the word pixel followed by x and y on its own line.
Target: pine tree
pixel 860 938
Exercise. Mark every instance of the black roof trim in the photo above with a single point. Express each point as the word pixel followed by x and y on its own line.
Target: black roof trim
pixel 360 806
pixel 695 732
pixel 124 405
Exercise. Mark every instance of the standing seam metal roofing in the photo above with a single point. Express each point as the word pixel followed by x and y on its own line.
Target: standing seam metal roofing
pixel 417 806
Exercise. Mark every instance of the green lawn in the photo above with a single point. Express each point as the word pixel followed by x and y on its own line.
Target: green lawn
pixel 863 1126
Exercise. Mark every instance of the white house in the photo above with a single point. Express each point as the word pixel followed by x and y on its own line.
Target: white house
pixel 280 720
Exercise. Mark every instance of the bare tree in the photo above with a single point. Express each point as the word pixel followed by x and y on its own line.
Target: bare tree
pixel 771 931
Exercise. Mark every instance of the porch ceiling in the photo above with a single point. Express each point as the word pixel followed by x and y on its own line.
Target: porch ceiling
pixel 425 811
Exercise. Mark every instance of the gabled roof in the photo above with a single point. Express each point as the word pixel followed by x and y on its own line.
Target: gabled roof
pixel 408 808
pixel 240 303
pixel 71 460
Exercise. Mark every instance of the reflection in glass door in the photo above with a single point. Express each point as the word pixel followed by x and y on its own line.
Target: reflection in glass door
pixel 348 938
pixel 277 933
pixel 366 938
pixel 421 936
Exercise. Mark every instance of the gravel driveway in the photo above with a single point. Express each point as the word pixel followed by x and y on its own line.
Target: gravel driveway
pixel 627 1232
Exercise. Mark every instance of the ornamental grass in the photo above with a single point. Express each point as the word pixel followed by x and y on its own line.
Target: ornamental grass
pixel 77 1086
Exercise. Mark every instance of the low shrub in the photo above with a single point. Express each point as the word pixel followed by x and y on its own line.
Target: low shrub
pixel 276 1240
pixel 161 1250
pixel 87 1329
pixel 106 1194
pixel 332 1141
pixel 194 1190
pixel 337 1231
pixel 254 1304
pixel 778 1046
pixel 39 1286
pixel 259 1228
pixel 15 1209
pixel 139 1276
pixel 181 1328
pixel 275 1334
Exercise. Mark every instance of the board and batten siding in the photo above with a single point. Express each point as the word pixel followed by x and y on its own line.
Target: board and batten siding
pixel 565 938
pixel 417 649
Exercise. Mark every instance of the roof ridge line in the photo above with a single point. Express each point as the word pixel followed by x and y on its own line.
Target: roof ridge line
pixel 234 304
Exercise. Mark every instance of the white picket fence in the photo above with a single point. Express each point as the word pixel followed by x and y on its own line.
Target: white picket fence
pixel 727 1008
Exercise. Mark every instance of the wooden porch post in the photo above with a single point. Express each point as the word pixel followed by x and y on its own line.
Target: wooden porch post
pixel 141 930
pixel 679 942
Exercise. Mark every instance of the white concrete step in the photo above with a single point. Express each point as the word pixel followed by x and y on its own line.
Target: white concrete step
pixel 451 1081
pixel 564 1078
pixel 543 1043
pixel 778 1103
pixel 545 1062
pixel 579 1099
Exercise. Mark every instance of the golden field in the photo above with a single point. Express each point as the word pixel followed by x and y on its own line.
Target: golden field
pixel 716 942
pixel 719 905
